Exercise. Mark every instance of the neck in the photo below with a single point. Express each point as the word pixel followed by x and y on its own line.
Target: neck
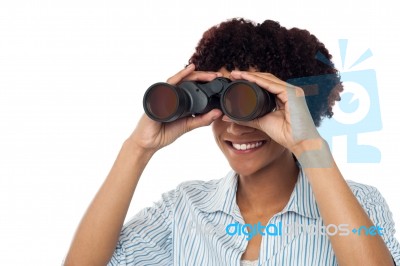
pixel 268 190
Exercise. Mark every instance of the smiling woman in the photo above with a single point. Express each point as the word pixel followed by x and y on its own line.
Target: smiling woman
pixel 282 171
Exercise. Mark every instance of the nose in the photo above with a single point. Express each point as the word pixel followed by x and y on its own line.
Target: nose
pixel 239 130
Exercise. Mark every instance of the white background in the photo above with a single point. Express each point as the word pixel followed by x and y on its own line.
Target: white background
pixel 72 78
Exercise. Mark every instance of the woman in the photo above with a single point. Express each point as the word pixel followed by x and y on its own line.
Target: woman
pixel 283 173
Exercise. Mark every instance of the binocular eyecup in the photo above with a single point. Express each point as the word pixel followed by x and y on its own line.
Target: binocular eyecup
pixel 240 100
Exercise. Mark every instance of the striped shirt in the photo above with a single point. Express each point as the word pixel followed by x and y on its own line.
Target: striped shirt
pixel 188 227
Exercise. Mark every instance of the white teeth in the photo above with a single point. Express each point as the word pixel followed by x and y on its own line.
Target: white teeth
pixel 248 146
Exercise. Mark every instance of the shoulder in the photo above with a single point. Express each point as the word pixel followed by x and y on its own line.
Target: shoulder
pixel 204 195
pixel 192 187
pixel 378 210
pixel 199 186
pixel 360 190
pixel 210 186
pixel 370 199
pixel 198 189
pixel 365 193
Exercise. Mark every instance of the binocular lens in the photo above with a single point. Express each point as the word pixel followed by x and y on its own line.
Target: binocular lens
pixel 162 101
pixel 240 100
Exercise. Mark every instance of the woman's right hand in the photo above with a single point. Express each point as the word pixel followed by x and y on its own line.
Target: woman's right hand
pixel 151 135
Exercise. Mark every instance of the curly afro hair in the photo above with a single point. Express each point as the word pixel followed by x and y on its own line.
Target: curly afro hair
pixel 290 54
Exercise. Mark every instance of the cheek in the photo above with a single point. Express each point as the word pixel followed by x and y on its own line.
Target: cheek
pixel 218 127
pixel 274 151
pixel 215 130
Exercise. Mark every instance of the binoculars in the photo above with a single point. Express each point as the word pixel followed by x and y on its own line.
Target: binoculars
pixel 239 100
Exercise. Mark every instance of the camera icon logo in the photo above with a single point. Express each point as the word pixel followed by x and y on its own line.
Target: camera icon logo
pixel 357 112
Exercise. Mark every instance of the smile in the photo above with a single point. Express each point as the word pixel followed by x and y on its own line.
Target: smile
pixel 247 146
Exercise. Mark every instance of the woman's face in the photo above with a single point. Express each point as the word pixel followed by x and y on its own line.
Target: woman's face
pixel 247 149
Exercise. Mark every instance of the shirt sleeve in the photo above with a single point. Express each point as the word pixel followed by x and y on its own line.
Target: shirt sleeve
pixel 147 238
pixel 377 209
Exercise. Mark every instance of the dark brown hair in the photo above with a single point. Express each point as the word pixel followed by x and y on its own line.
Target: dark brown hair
pixel 269 47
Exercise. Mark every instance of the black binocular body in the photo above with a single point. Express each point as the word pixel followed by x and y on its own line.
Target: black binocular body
pixel 240 99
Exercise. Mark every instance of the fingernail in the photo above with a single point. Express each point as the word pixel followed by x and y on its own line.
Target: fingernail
pixel 191 66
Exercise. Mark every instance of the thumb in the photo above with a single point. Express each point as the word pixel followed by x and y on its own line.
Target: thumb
pixel 203 120
pixel 253 123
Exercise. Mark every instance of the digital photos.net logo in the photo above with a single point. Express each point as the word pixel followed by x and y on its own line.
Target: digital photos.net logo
pixel 282 229
pixel 357 112
pixel 279 229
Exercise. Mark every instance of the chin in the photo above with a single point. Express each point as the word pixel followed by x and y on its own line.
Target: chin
pixel 246 168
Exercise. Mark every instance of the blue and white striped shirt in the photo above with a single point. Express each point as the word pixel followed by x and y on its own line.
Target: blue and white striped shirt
pixel 187 227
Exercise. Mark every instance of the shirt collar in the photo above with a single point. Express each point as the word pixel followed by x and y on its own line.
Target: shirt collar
pixel 301 201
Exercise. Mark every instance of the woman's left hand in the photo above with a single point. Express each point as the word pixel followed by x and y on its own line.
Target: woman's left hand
pixel 291 124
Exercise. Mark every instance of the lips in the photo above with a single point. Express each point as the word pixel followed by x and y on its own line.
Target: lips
pixel 246 146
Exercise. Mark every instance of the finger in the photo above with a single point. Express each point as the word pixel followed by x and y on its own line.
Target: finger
pixel 188 73
pixel 202 76
pixel 268 84
pixel 202 120
pixel 281 98
pixel 237 75
pixel 267 124
pixel 268 76
pixel 253 123
pixel 181 74
pixel 278 89
pixel 282 90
